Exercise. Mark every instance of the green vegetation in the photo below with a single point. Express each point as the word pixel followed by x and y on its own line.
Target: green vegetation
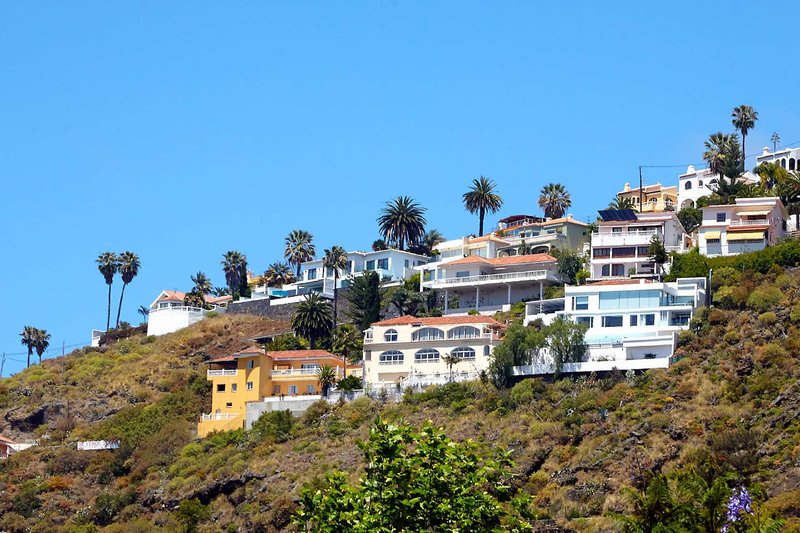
pixel 107 264
pixel 481 199
pixel 335 259
pixel 364 297
pixel 554 200
pixel 313 319
pixel 234 265
pixel 402 221
pixel 299 248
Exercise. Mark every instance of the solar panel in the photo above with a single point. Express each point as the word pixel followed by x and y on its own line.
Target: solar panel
pixel 617 214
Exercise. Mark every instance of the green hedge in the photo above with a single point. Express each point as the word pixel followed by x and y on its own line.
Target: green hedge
pixel 692 264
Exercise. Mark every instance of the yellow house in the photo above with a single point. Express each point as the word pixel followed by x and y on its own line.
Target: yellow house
pixel 253 375
pixel 654 198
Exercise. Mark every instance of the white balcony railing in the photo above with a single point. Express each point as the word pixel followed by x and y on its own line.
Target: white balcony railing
pixel 750 222
pixel 299 372
pixel 220 416
pixel 492 278
pixel 488 335
pixel 180 308
pixel 218 373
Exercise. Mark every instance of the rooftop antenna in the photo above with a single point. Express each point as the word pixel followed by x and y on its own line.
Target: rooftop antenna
pixel 776 139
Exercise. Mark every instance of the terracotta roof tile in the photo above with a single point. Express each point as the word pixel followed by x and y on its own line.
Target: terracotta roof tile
pixel 7 440
pixel 178 296
pixel 301 354
pixel 225 359
pixel 758 227
pixel 503 261
pixel 439 321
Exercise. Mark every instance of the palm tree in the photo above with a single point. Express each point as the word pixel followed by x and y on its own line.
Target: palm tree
pixel 378 245
pixel 234 265
pixel 347 341
pixel 622 203
pixel 41 342
pixel 788 189
pixel 402 221
pixel 723 154
pixel 428 242
pixel 299 248
pixel 29 340
pixel 554 200
pixel 335 258
pixel 128 267
pixel 312 319
pixel 108 264
pixel 326 377
pixel 202 283
pixel 771 174
pixel 220 291
pixel 277 275
pixel 481 198
pixel 144 311
pixel 451 360
pixel 744 119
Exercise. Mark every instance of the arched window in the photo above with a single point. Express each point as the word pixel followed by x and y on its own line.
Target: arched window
pixel 464 332
pixel 783 163
pixel 791 163
pixel 465 353
pixel 427 334
pixel 390 335
pixel 699 183
pixel 688 185
pixel 605 270
pixel 391 357
pixel 428 355
pixel 713 182
pixel 486 350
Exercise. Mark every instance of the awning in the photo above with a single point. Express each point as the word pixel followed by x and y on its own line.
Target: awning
pixel 746 236
pixel 754 213
pixel 711 235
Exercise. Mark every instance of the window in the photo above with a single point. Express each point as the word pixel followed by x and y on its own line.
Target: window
pixel 605 270
pixel 687 186
pixel 406 263
pixel 249 385
pixel 649 319
pixel 624 251
pixel 464 332
pixel 634 320
pixel 585 320
pixel 630 299
pixel 349 267
pixel 383 264
pixel 601 252
pixel 228 405
pixel 310 389
pixel 370 265
pixel 616 231
pixel 641 251
pixel 311 273
pixel 428 355
pixel 721 217
pixel 251 364
pixel 390 335
pixel 427 334
pixel 391 357
pixel 220 387
pixel 486 350
pixel 618 270
pixel 612 321
pixel 233 387
pixel 462 274
pixel 581 303
pixel 276 389
pixel 310 366
pixel 464 353
pixel 700 183
pixel 293 389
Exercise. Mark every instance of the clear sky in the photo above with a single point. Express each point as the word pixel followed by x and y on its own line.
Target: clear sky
pixel 181 130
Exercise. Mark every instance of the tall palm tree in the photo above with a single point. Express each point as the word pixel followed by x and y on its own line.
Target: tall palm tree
pixel 108 264
pixel 234 265
pixel 299 248
pixel 481 198
pixel 128 267
pixel 278 274
pixel 336 259
pixel 744 119
pixel 554 200
pixel 622 203
pixel 144 311
pixel 312 319
pixel 202 283
pixel 723 154
pixel 451 360
pixel 326 377
pixel 41 342
pixel 402 221
pixel 29 340
pixel 347 341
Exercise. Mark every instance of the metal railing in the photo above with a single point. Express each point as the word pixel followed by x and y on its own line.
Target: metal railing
pixel 298 372
pixel 186 308
pixel 754 222
pixel 508 276
pixel 220 416
pixel 223 372
pixel 648 233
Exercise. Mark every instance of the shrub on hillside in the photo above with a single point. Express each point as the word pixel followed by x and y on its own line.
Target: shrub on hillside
pixel 274 425
pixel 769 318
pixel 725 276
pixel 764 299
pixel 527 391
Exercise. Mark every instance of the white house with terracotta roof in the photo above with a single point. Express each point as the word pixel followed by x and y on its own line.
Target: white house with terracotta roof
pixel 630 324
pixel 749 225
pixel 6 447
pixel 489 285
pixel 410 352
pixel 169 313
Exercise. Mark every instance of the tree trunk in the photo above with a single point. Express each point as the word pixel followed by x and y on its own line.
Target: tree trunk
pixel 480 225
pixel 744 154
pixel 108 317
pixel 121 296
pixel 344 368
pixel 29 356
pixel 335 294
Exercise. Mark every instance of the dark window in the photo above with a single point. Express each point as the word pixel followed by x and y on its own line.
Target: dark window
pixel 721 217
pixel 613 321
pixel 601 252
pixel 688 185
pixel 626 251
pixel 220 387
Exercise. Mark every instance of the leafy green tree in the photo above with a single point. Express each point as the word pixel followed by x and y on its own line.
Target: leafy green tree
pixel 378 245
pixel 107 264
pixel 29 340
pixel 299 248
pixel 234 265
pixel 406 301
pixel 554 200
pixel 519 343
pixel 348 342
pixel 566 342
pixel 364 298
pixel 336 260
pixel 402 221
pixel 312 319
pixel 688 265
pixel 691 218
pixel 655 508
pixel 657 253
pixel 481 198
pixel 569 264
pixel 744 119
pixel 417 482
pixel 41 342
pixel 622 203
pixel 192 512
pixel 287 342
pixel 428 242
pixel 771 174
pixel 326 377
pixel 128 267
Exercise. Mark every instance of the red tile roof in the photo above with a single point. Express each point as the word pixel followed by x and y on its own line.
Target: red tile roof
pixel 505 261
pixel 178 296
pixel 439 321
pixel 226 359
pixel 758 227
pixel 620 282
pixel 6 440
pixel 301 354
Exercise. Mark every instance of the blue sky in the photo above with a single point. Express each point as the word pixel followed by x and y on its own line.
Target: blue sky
pixel 182 130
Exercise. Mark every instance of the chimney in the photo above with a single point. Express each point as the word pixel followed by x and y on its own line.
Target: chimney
pixel 765 151
pixel 627 187
pixel 690 170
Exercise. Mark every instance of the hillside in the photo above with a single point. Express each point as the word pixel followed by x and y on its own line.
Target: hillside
pixel 730 406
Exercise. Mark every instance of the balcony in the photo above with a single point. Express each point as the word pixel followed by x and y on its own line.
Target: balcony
pixel 298 372
pixel 631 238
pixel 220 373
pixel 220 416
pixel 179 308
pixel 508 277
pixel 750 222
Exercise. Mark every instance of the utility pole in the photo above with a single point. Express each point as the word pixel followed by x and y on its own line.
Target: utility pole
pixel 2 363
pixel 775 140
pixel 641 189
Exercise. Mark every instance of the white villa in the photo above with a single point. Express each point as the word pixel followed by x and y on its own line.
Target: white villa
pixel 541 235
pixel 632 324
pixel 619 247
pixel 694 184
pixel 490 285
pixel 169 313
pixel 789 158
pixel 746 226
pixel 409 352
